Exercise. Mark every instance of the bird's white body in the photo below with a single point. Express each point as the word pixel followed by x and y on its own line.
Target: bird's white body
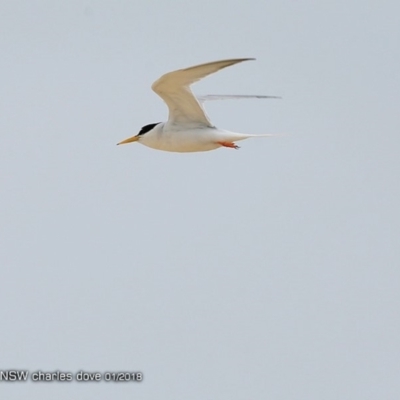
pixel 188 128
pixel 180 139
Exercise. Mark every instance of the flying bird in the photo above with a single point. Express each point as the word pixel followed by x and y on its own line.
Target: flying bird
pixel 188 128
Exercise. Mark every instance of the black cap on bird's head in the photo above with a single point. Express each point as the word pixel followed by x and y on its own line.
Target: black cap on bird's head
pixel 147 128
pixel 144 130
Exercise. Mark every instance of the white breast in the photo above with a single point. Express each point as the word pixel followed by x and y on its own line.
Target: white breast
pixel 170 138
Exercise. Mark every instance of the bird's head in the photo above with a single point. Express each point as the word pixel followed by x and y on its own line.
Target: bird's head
pixel 145 129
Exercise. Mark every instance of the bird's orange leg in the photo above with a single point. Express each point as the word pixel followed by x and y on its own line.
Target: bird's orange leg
pixel 229 144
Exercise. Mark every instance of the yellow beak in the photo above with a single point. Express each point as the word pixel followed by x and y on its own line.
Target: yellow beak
pixel 129 140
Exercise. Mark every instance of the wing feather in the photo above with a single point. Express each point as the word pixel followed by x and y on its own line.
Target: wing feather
pixel 174 89
pixel 211 97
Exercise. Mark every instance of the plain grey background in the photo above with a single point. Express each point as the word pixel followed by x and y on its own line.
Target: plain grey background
pixel 271 272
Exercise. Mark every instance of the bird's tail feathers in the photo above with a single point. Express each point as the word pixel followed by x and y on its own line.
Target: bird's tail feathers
pixel 270 135
pixel 234 137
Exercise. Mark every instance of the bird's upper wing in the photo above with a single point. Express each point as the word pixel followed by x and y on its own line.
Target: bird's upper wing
pixel 174 89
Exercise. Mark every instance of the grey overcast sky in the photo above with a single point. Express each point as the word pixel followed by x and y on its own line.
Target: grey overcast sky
pixel 271 272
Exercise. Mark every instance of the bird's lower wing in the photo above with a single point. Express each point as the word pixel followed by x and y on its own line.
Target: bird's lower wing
pixel 211 97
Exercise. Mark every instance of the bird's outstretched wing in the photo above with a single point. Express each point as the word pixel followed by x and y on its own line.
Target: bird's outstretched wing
pixel 174 89
pixel 210 97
